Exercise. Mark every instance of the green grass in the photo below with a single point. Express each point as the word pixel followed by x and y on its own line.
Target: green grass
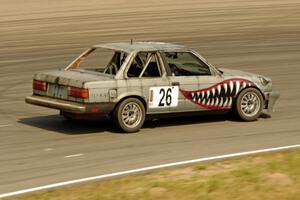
pixel 263 176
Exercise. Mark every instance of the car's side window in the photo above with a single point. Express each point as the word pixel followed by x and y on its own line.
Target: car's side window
pixel 186 64
pixel 115 63
pixel 136 67
pixel 144 65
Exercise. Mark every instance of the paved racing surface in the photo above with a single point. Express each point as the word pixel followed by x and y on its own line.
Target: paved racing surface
pixel 39 147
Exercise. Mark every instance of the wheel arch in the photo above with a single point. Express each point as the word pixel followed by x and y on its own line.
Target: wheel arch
pixel 254 87
pixel 132 96
pixel 236 110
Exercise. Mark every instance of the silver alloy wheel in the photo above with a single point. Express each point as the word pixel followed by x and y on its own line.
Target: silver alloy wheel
pixel 131 114
pixel 250 104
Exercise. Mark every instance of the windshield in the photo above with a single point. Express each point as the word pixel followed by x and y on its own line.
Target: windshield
pixel 100 60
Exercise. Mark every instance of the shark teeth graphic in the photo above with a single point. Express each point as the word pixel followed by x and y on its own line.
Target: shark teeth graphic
pixel 244 84
pixel 219 89
pixel 230 101
pixel 225 87
pixel 207 93
pixel 237 83
pixel 208 102
pixel 217 102
pixel 221 102
pixel 212 102
pixel 193 96
pixel 202 94
pixel 225 103
pixel 219 96
pixel 231 86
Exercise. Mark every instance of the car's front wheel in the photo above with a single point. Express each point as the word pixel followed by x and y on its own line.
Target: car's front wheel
pixel 129 115
pixel 249 104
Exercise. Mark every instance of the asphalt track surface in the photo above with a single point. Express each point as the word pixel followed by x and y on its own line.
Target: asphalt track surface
pixel 38 147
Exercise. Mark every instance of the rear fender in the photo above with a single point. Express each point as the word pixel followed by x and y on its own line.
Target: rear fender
pixel 131 95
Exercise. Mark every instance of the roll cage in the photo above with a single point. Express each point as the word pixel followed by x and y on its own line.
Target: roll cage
pixel 121 61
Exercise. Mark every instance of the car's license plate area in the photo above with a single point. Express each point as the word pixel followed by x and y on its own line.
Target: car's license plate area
pixel 58 91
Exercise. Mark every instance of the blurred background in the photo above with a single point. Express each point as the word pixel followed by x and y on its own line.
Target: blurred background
pixel 261 36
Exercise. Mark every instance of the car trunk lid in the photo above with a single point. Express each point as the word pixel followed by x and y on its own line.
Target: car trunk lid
pixel 60 80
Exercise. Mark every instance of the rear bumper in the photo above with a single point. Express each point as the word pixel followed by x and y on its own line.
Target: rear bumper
pixel 71 107
pixel 271 98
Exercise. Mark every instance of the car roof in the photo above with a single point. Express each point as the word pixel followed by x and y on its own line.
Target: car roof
pixel 141 46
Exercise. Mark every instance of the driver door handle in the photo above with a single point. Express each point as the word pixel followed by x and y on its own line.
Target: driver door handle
pixel 175 83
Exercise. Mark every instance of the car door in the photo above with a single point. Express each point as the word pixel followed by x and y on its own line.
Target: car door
pixel 147 74
pixel 192 76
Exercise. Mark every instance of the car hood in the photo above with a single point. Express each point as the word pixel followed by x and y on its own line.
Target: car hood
pixel 233 72
pixel 76 78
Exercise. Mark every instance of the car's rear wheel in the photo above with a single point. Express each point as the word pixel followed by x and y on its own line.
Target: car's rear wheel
pixel 249 104
pixel 129 115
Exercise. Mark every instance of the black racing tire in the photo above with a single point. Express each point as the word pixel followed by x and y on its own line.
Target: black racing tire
pixel 129 115
pixel 249 104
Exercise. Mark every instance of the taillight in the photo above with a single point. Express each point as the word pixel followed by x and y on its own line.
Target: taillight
pixel 39 85
pixel 78 92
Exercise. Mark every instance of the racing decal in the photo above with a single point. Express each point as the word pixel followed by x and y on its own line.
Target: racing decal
pixel 160 97
pixel 219 96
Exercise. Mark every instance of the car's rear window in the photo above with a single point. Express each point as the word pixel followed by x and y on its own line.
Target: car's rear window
pixel 104 60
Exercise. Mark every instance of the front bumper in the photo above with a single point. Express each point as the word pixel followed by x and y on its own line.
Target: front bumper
pixel 69 106
pixel 271 98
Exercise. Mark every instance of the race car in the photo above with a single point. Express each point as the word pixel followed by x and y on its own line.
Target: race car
pixel 129 82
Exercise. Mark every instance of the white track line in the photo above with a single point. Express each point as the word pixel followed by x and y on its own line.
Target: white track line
pixel 145 169
pixel 5 125
pixel 47 149
pixel 74 155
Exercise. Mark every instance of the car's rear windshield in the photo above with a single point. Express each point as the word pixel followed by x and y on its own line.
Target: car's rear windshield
pixel 103 60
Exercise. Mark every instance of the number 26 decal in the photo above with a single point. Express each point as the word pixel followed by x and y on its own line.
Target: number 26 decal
pixel 166 97
pixel 163 97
